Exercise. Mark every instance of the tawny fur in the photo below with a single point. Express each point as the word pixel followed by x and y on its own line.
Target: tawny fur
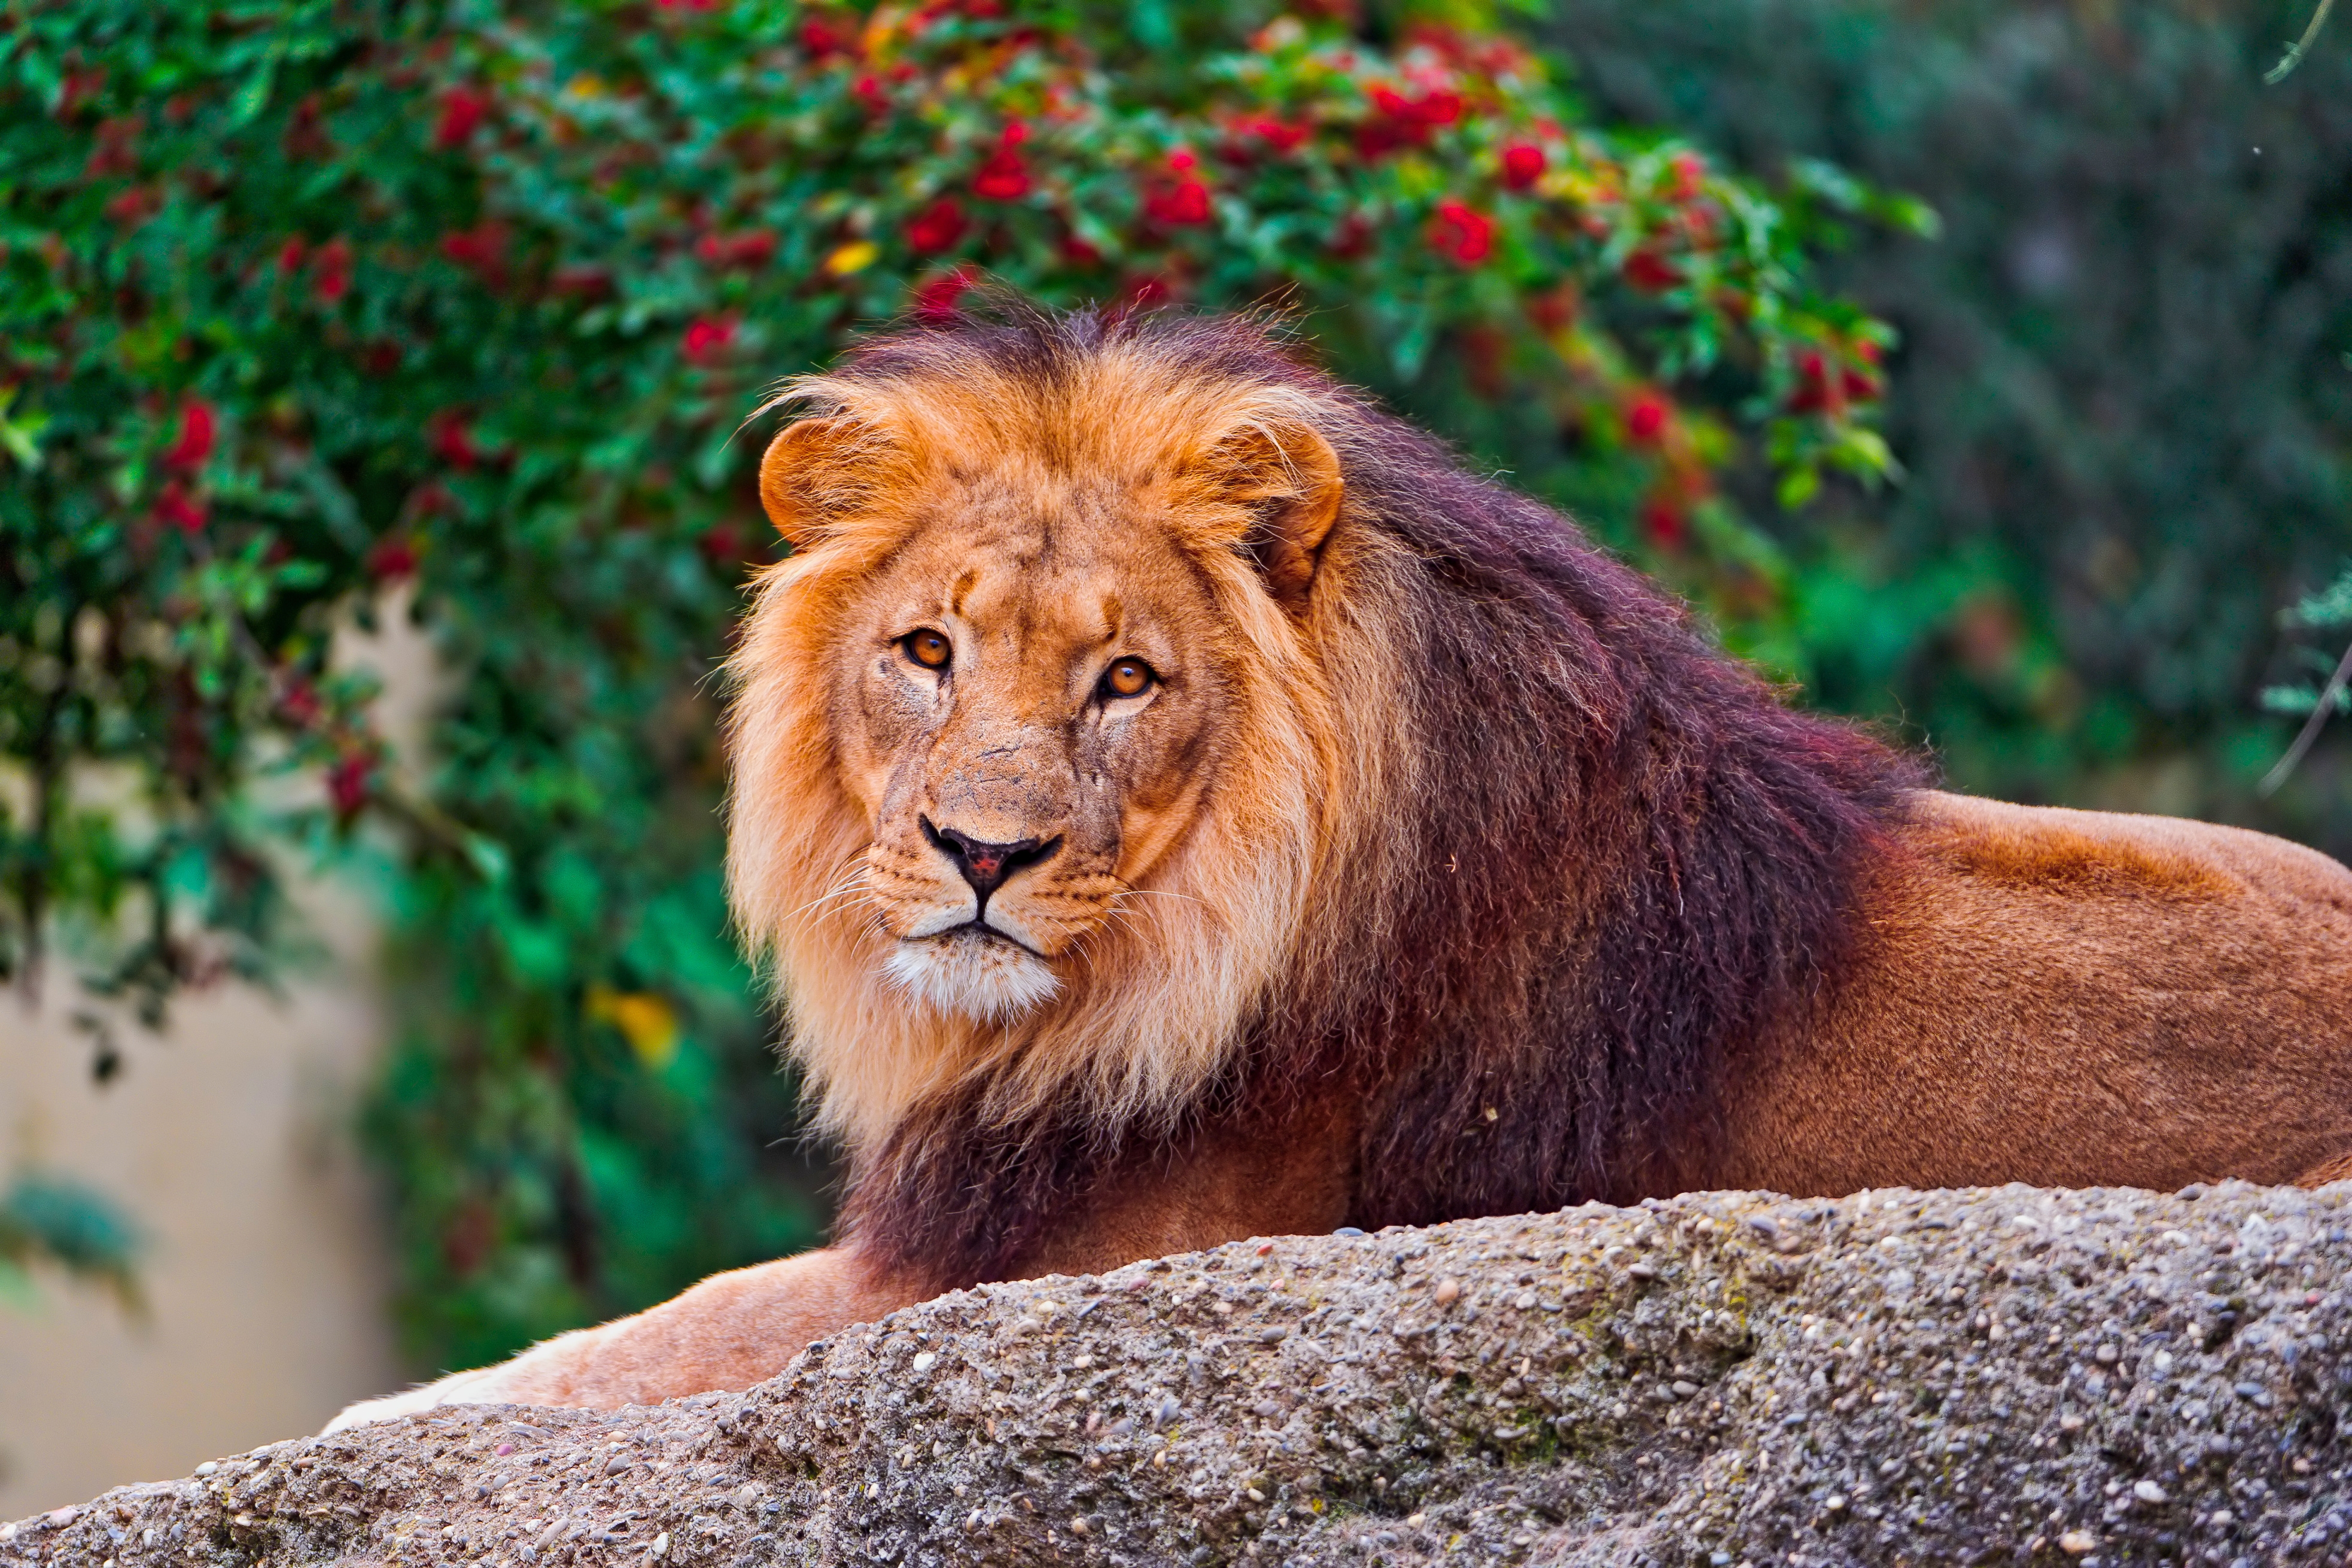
pixel 1444 872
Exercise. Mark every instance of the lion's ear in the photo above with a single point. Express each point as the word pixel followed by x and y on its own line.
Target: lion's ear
pixel 818 471
pixel 1286 475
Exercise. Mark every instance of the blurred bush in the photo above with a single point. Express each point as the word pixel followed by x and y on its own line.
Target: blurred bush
pixel 50 1221
pixel 303 300
pixel 2124 393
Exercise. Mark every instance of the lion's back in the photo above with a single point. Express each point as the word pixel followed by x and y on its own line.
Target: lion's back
pixel 2069 998
pixel 2111 854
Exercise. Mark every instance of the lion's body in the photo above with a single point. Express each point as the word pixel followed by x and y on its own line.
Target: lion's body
pixel 1183 805
pixel 2067 999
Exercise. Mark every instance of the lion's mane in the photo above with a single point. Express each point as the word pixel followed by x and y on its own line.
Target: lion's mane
pixel 1512 857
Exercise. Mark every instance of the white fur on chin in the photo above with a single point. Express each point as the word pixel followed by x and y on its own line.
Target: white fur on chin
pixel 977 976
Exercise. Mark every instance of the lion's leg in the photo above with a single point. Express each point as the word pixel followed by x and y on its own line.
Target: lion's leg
pixel 1290 1178
pixel 2338 1168
pixel 729 1331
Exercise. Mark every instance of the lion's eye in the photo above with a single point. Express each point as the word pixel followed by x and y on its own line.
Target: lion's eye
pixel 1127 678
pixel 927 648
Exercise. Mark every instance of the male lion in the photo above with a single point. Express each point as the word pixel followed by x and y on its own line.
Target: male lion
pixel 1181 804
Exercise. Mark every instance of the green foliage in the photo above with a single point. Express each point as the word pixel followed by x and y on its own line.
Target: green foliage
pixel 300 299
pixel 47 1220
pixel 2122 397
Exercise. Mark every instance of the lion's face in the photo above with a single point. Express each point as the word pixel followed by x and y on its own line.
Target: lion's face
pixel 1032 754
pixel 1027 699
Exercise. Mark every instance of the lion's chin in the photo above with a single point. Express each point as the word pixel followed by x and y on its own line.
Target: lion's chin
pixel 981 977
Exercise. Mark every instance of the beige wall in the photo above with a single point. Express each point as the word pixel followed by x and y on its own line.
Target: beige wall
pixel 230 1139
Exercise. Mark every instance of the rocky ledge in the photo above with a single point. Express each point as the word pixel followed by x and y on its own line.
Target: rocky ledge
pixel 1997 1375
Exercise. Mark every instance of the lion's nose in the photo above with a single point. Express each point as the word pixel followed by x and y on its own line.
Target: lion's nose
pixel 985 865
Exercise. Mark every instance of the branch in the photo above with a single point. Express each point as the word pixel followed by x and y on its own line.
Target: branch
pixel 2311 726
pixel 2302 47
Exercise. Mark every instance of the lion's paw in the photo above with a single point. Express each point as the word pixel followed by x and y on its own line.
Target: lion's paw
pixel 457 1388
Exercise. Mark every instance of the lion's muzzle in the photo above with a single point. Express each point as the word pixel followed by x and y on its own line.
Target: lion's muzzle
pixel 984 866
pixel 980 944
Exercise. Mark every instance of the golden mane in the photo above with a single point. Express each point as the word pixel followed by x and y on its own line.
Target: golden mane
pixel 1165 996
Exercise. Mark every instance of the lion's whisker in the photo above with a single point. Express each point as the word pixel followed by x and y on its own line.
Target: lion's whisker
pixel 821 899
pixel 1159 892
pixel 851 884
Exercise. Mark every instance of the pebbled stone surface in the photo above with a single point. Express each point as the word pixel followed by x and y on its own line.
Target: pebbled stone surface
pixel 2001 1376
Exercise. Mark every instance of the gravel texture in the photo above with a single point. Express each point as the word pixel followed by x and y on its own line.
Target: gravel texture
pixel 2008 1375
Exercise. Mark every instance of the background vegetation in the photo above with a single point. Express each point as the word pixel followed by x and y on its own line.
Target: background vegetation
pixel 2123 393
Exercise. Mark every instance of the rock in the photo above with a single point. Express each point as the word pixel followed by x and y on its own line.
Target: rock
pixel 1306 1423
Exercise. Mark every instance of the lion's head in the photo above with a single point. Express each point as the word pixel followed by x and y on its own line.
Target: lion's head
pixel 1032 763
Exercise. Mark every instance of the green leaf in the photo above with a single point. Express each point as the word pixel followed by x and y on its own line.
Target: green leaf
pixel 253 96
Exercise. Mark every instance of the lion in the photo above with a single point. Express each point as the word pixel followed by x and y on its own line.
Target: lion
pixel 1180 803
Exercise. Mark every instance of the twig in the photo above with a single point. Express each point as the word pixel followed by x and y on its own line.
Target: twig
pixel 2302 47
pixel 2311 726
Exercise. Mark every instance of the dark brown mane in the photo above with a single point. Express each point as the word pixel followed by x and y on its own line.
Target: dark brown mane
pixel 1625 858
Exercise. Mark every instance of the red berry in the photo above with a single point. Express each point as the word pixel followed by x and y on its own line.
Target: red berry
pixel 481 250
pixel 580 279
pixel 1649 271
pixel 1554 308
pixel 823 37
pixel 1690 173
pixel 723 543
pixel 751 249
pixel 330 271
pixel 1402 121
pixel 1146 293
pixel 299 702
pixel 1461 234
pixel 1003 178
pixel 349 784
pixel 1438 107
pixel 706 338
pixel 176 509
pixel 937 227
pixel 1281 135
pixel 1817 391
pixel 198 426
pixel 461 110
pixel 936 300
pixel 1665 522
pixel 1523 164
pixel 1646 417
pixel 391 560
pixel 453 441
pixel 1178 203
pixel 135 205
